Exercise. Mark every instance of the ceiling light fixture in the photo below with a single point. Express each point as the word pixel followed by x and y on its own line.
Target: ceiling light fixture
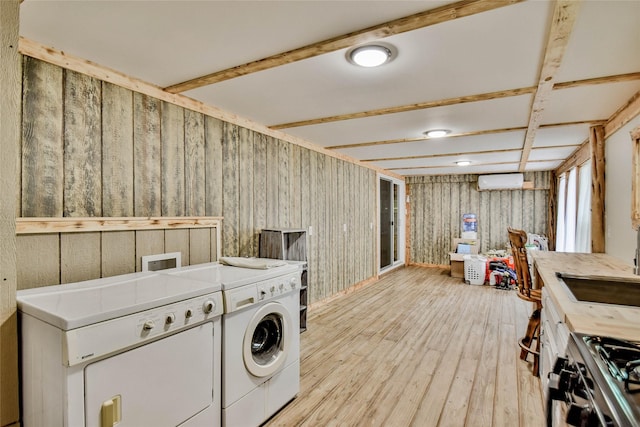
pixel 437 133
pixel 463 163
pixel 370 55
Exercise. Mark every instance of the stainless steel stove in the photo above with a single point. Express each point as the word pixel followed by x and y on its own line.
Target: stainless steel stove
pixel 598 384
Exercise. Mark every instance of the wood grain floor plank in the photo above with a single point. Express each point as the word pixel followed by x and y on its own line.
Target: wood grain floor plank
pixel 416 348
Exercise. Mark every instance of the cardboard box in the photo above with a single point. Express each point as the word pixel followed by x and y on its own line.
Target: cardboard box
pixel 456 259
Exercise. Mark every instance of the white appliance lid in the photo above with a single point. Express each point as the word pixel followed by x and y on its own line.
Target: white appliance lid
pixel 233 277
pixel 74 305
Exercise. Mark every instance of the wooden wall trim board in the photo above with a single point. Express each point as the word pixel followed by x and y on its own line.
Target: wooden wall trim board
pixel 10 88
pixel 596 142
pixel 617 120
pixel 53 56
pixel 623 116
pixel 581 155
pixel 83 225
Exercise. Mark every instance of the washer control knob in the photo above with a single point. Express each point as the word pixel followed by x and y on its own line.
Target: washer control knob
pixel 188 314
pixel 273 288
pixel 281 286
pixel 170 318
pixel 292 282
pixel 262 294
pixel 148 325
pixel 208 306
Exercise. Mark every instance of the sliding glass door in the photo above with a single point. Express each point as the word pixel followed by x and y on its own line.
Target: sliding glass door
pixel 391 223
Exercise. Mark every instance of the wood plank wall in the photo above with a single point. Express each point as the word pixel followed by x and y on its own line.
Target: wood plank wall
pixel 10 70
pixel 90 148
pixel 438 202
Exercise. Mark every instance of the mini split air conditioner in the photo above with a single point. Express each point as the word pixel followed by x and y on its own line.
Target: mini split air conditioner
pixel 508 181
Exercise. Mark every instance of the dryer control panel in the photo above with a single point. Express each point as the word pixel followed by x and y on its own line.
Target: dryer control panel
pixel 246 296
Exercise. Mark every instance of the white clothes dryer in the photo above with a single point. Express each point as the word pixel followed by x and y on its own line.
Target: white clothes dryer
pixel 142 349
pixel 260 339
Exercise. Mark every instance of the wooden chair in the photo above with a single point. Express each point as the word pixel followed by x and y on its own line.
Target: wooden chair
pixel 518 239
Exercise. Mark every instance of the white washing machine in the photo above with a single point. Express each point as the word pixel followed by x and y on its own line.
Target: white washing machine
pixel 260 340
pixel 142 349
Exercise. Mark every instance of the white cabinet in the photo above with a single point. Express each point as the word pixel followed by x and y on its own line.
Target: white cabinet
pixel 554 338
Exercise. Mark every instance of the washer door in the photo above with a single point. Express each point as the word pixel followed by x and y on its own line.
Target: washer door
pixel 266 340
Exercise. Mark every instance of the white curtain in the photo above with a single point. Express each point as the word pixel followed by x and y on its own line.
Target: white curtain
pixel 571 210
pixel 560 224
pixel 583 221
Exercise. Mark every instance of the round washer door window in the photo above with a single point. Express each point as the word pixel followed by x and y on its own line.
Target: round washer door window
pixel 266 340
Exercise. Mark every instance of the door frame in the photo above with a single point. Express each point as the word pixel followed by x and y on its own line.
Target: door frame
pixel 401 226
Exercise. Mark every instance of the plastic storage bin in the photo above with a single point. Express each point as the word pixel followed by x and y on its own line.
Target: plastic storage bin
pixel 474 269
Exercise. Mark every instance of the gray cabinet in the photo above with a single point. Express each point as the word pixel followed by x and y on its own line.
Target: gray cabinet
pixel 288 244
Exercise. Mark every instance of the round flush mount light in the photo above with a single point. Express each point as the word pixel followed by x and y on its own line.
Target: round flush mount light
pixel 463 163
pixel 437 133
pixel 371 55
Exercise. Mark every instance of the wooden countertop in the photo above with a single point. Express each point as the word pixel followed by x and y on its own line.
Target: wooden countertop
pixel 590 318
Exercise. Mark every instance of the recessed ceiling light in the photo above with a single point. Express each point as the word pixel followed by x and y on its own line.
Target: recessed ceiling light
pixel 463 163
pixel 437 133
pixel 369 56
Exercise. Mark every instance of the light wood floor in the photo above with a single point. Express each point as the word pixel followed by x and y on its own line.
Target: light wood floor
pixel 416 348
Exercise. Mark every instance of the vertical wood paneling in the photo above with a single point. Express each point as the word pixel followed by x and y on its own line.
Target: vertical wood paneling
pixel 149 242
pixel 295 190
pixel 194 158
pixel 178 241
pixel 214 237
pixel 118 253
pixel 283 183
pixel 231 201
pixel 82 146
pixel 214 135
pixel 315 291
pixel 438 202
pixel 172 143
pixel 246 230
pixel 79 257
pixel 200 246
pixel 147 179
pixel 45 248
pixel 259 185
pixel 323 256
pixel 10 88
pixel 117 151
pixel 160 159
pixel 42 142
pixel 273 175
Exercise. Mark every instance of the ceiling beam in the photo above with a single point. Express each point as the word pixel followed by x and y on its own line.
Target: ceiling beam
pixel 598 80
pixel 455 135
pixel 408 23
pixel 564 15
pixel 465 153
pixel 459 100
pixel 475 164
pixel 411 107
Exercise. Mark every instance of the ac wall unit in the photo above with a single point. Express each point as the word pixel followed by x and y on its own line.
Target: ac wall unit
pixel 507 181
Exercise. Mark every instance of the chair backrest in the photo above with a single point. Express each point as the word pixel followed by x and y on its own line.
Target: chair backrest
pixel 518 239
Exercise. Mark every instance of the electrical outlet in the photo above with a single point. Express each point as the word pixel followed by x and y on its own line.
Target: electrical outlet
pixel 344 227
pixel 311 230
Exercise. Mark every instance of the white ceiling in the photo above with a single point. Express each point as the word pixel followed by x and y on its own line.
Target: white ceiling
pixel 169 42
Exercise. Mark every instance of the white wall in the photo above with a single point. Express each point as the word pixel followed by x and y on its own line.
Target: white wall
pixel 620 237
